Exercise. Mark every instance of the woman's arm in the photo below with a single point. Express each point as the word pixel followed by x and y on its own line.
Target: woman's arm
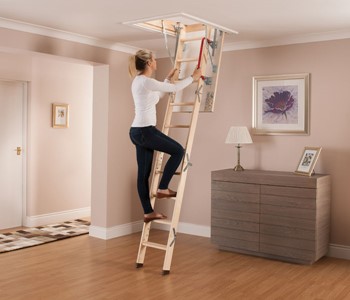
pixel 167 87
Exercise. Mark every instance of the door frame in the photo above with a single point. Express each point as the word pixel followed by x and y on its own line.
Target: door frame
pixel 25 100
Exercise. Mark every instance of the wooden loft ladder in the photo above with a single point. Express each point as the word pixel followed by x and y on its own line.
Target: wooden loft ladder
pixel 197 46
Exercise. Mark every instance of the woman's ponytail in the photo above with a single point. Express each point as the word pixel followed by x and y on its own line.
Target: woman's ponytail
pixel 132 66
pixel 138 62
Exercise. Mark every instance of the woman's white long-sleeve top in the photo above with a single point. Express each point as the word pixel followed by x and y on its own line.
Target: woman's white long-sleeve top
pixel 146 92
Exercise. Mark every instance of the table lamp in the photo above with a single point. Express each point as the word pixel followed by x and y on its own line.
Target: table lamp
pixel 238 135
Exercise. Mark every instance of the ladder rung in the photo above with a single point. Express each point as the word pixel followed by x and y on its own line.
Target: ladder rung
pixel 188 59
pixel 182 104
pixel 161 172
pixel 162 221
pixel 177 126
pixel 174 198
pixel 154 245
pixel 198 38
pixel 193 82
pixel 183 112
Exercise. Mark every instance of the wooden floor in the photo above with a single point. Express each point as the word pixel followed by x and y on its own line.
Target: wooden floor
pixel 88 268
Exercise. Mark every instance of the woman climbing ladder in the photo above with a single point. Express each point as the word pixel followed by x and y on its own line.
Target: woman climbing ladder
pixel 145 136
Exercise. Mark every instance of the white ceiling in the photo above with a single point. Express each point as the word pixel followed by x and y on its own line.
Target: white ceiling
pixel 259 22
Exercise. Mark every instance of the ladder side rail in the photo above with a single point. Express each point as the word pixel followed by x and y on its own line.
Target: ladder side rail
pixel 179 198
pixel 155 178
pixel 202 62
pixel 158 162
pixel 156 168
pixel 184 173
pixel 199 97
pixel 142 248
pixel 168 116
pixel 219 46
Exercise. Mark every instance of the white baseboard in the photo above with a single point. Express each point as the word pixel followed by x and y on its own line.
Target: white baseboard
pixel 125 229
pixel 339 251
pixel 188 228
pixel 61 216
pixel 115 231
pixel 193 229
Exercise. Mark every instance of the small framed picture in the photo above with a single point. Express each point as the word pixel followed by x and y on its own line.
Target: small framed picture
pixel 60 115
pixel 308 161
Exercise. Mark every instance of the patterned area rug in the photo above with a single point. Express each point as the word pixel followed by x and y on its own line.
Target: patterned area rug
pixel 42 234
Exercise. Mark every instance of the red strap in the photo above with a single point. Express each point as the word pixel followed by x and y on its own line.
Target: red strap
pixel 200 54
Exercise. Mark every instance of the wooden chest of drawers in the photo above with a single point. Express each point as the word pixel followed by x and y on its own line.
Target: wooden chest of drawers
pixel 277 215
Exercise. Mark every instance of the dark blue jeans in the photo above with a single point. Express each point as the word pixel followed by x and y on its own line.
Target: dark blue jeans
pixel 146 140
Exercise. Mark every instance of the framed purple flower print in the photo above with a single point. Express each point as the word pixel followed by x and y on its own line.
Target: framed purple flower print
pixel 281 104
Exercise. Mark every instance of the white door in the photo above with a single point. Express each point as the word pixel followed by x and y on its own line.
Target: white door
pixel 12 96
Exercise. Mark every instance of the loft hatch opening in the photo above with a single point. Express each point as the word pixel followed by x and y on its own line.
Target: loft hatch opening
pixel 169 23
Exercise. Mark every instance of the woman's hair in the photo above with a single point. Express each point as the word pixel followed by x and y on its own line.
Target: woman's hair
pixel 138 62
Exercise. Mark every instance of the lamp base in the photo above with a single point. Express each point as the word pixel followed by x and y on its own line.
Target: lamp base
pixel 238 168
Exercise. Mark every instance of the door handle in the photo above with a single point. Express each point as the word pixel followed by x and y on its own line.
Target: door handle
pixel 19 150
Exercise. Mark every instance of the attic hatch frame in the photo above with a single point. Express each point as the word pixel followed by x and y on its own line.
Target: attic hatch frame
pixel 155 23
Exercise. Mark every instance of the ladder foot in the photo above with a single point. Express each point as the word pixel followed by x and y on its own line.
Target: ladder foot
pixel 166 272
pixel 138 265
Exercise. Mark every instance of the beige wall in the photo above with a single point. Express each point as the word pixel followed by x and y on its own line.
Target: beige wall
pixel 59 172
pixel 15 67
pixel 329 68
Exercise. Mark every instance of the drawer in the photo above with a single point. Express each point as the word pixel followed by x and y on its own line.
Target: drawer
pixel 235 187
pixel 234 215
pixel 291 212
pixel 299 255
pixel 288 222
pixel 288 232
pixel 288 242
pixel 235 245
pixel 288 191
pixel 234 197
pixel 235 234
pixel 235 239
pixel 307 203
pixel 236 206
pixel 235 224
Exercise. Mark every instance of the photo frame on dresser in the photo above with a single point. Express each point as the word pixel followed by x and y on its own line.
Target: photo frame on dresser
pixel 308 161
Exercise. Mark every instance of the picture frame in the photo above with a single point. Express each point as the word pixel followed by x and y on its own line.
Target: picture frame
pixel 60 115
pixel 308 161
pixel 281 104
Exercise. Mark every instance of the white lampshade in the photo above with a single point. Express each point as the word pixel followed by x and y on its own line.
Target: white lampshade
pixel 238 135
